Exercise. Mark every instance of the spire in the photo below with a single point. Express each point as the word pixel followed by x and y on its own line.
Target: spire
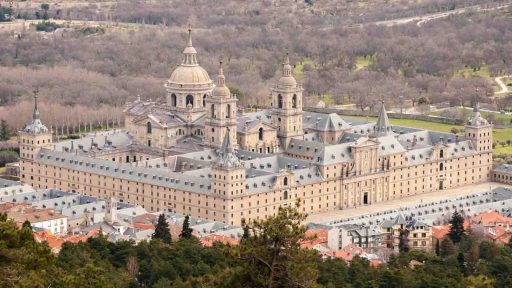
pixel 287 69
pixel 221 90
pixel 227 157
pixel 221 79
pixel 189 53
pixel 226 144
pixel 35 126
pixel 382 127
pixel 35 114
pixel 189 44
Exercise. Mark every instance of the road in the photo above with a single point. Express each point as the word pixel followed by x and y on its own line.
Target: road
pixel 503 87
pixel 422 19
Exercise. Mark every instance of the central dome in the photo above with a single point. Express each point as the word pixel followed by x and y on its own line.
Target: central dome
pixel 192 75
pixel 189 72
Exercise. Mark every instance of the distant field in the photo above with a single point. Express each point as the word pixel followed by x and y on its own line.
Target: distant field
pixel 499 135
pixel 468 72
pixel 298 69
pixel 503 119
pixel 362 62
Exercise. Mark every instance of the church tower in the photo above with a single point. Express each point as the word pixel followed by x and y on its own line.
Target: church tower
pixel 34 137
pixel 188 86
pixel 220 114
pixel 287 106
pixel 228 172
pixel 479 131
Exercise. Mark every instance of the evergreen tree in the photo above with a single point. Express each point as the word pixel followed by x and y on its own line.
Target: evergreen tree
pixel 462 262
pixel 403 244
pixel 247 233
pixel 438 248
pixel 186 231
pixel 272 256
pixel 456 227
pixel 162 230
pixel 3 217
pixel 4 131
pixel 447 247
pixel 27 224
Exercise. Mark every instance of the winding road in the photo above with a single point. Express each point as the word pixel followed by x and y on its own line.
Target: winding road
pixel 503 87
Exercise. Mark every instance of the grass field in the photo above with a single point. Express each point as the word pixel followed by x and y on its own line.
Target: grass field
pixel 502 119
pixel 468 72
pixel 362 62
pixel 298 69
pixel 499 135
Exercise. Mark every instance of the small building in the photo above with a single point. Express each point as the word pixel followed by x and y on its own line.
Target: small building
pixel 502 174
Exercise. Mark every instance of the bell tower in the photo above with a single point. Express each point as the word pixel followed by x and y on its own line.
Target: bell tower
pixel 220 114
pixel 479 131
pixel 287 106
pixel 34 137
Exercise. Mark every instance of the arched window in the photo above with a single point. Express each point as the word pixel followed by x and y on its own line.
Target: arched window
pixel 441 154
pixel 285 181
pixel 213 110
pixel 173 100
pixel 285 195
pixel 260 134
pixel 189 100
pixel 204 100
pixel 294 101
pixel 228 113
pixel 279 101
pixel 149 127
pixel 441 166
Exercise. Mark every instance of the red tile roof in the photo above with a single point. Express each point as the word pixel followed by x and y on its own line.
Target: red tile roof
pixel 208 240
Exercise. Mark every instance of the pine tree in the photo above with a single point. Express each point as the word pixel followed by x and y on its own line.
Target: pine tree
pixel 403 244
pixel 162 230
pixel 27 224
pixel 186 231
pixel 247 233
pixel 438 248
pixel 447 247
pixel 456 227
pixel 462 262
pixel 4 131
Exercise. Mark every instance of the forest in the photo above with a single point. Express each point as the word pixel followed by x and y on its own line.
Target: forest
pixel 84 69
pixel 269 255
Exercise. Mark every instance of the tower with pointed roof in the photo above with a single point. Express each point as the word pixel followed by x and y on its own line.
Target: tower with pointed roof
pixel 188 86
pixel 220 114
pixel 479 131
pixel 287 106
pixel 382 127
pixel 228 172
pixel 33 137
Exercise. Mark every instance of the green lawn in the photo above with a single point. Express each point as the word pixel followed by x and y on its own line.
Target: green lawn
pixel 468 72
pixel 502 150
pixel 362 62
pixel 298 69
pixel 414 123
pixel 502 119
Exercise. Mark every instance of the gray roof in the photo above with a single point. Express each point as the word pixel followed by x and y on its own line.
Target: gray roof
pixel 96 142
pixel 324 122
pixel 504 168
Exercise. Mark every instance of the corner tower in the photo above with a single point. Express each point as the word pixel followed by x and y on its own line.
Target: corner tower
pixel 34 137
pixel 479 131
pixel 220 114
pixel 188 86
pixel 228 172
pixel 287 106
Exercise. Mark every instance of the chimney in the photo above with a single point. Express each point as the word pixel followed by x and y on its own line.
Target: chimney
pixel 414 140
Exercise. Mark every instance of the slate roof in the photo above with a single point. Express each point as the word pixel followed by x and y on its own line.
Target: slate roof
pixel 324 122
